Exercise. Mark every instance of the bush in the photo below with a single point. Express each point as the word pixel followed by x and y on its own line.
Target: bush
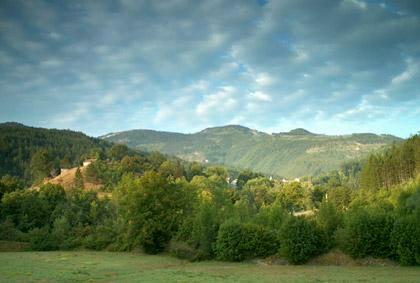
pixel 8 232
pixel 366 233
pixel 405 239
pixel 329 219
pixel 237 241
pixel 272 216
pixel 153 239
pixel 184 251
pixel 101 237
pixel 63 234
pixel 40 239
pixel 300 240
pixel 205 225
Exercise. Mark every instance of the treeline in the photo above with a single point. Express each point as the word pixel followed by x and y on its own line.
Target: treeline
pixel 393 166
pixel 197 213
pixel 35 153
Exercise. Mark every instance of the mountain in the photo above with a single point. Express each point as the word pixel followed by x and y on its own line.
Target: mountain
pixel 290 154
pixel 54 149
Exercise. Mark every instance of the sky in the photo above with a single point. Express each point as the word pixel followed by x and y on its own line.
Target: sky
pixel 329 66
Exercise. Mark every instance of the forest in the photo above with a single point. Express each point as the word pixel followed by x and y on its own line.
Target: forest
pixel 157 203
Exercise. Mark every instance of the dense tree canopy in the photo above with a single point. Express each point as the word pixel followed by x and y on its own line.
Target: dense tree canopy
pixel 196 211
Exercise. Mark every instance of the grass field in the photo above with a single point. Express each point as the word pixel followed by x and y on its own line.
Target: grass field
pixel 82 266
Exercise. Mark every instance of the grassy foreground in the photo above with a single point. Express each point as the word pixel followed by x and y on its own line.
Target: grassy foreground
pixel 83 266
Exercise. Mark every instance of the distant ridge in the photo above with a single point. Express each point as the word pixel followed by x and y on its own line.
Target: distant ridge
pixel 296 153
pixel 298 132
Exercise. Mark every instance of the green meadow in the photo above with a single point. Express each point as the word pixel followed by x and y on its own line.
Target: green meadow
pixel 87 266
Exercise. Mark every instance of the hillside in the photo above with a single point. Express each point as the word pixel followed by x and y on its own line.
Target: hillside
pixel 67 179
pixel 52 149
pixel 290 154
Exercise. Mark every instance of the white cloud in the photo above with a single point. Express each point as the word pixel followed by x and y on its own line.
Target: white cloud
pixel 78 114
pixel 259 96
pixel 410 71
pixel 263 79
pixel 222 100
pixel 361 4
pixel 289 59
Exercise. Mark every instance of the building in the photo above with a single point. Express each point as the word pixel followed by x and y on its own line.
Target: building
pixel 87 162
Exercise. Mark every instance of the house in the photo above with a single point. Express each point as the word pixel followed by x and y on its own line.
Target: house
pixel 87 162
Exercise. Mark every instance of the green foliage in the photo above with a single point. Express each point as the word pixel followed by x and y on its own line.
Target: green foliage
pixel 40 239
pixel 52 195
pixel 118 151
pixel 409 199
pixel 340 196
pixel 183 250
pixel 9 184
pixel 329 219
pixel 238 241
pixel 260 192
pixel 317 195
pixel 193 169
pixel 78 179
pixel 25 209
pixel 285 154
pixel 101 237
pixel 272 217
pixel 42 164
pixel 244 176
pixel 34 153
pixel 152 208
pixel 293 196
pixel 108 173
pixel 300 240
pixel 159 201
pixel 63 234
pixel 366 233
pixel 8 232
pixel 394 166
pixel 405 240
pixel 171 169
pixel 205 225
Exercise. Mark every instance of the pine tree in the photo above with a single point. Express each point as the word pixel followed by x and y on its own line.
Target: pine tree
pixel 78 179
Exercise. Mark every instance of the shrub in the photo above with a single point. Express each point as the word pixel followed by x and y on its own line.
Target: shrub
pixel 40 239
pixel 272 216
pixel 100 238
pixel 366 233
pixel 8 232
pixel 183 250
pixel 405 239
pixel 329 219
pixel 153 239
pixel 63 234
pixel 300 239
pixel 204 229
pixel 237 241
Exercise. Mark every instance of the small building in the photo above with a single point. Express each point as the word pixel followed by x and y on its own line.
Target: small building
pixel 87 162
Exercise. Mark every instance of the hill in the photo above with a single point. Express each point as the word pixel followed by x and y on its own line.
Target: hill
pixel 24 150
pixel 290 154
pixel 67 179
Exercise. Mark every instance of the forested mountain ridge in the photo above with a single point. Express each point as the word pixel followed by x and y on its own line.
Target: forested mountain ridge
pixel 290 154
pixel 32 153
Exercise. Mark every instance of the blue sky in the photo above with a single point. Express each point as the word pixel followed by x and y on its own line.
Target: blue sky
pixel 329 66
